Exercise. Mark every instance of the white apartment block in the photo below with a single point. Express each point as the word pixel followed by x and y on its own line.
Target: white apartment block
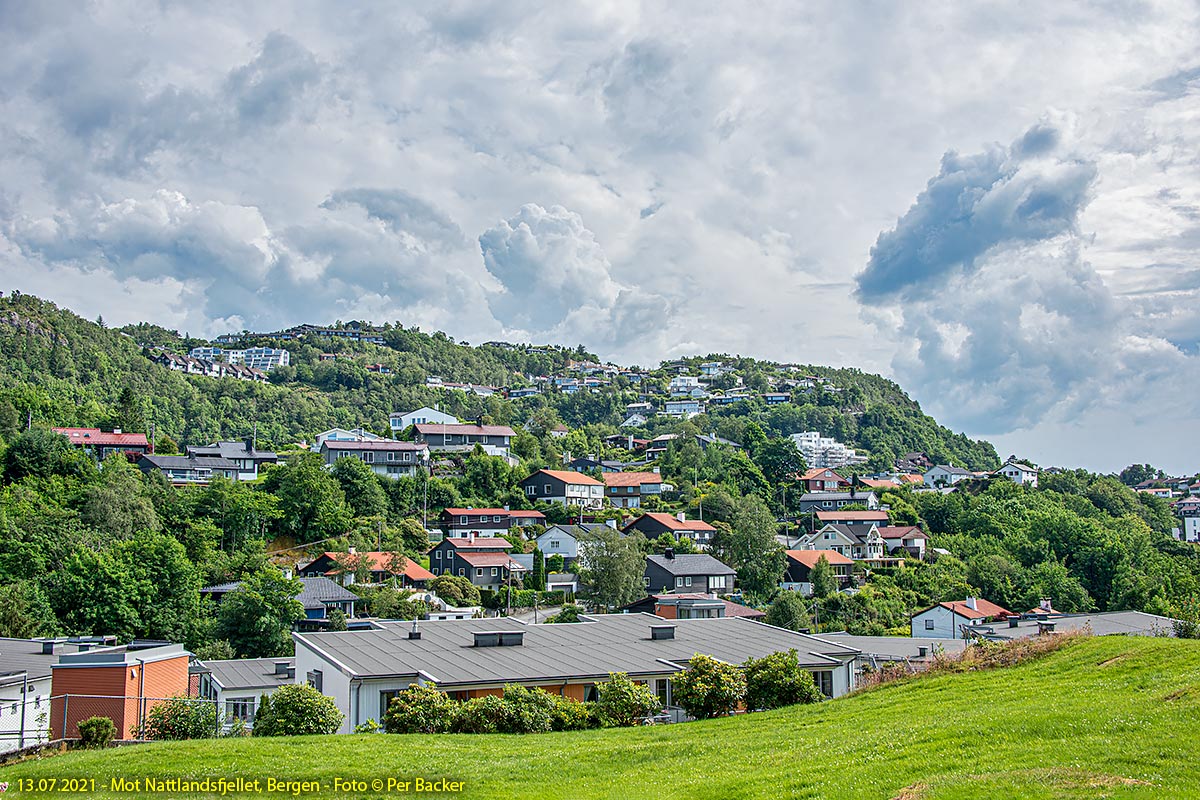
pixel 261 358
pixel 822 451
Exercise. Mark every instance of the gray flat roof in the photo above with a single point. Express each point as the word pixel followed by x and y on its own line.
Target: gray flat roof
pixel 25 656
pixel 893 648
pixel 600 645
pixel 248 673
pixel 1105 623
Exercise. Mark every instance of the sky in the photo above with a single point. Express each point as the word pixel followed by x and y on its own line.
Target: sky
pixel 997 204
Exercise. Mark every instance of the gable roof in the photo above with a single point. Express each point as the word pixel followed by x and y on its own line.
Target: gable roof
pixel 378 444
pixel 631 478
pixel 566 476
pixel 819 473
pixel 426 428
pixel 952 470
pixel 231 450
pixel 491 560
pixel 901 532
pixel 732 609
pixel 862 516
pixel 672 523
pixel 379 561
pixel 809 558
pixel 478 543
pixel 984 609
pixel 248 673
pixel 690 564
pixel 492 512
pixel 187 462
pixel 96 437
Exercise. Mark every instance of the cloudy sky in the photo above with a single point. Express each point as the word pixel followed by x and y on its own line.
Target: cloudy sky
pixel 997 204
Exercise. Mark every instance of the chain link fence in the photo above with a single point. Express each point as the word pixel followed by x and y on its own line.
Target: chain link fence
pixel 37 720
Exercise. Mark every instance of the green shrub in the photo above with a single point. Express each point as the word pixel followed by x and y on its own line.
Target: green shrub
pixel 778 680
pixel 296 710
pixel 572 715
pixel 528 710
pixel 478 715
pixel 419 709
pixel 569 613
pixel 623 703
pixel 709 688
pixel 96 732
pixel 180 718
pixel 370 726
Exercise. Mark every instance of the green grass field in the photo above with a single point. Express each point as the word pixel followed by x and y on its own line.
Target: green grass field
pixel 1107 717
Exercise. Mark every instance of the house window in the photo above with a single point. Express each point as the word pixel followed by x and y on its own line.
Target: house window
pixel 497 518
pixel 314 679
pixel 240 708
pixel 479 572
pixel 827 503
pixel 408 456
pixel 385 700
pixel 546 489
pixel 391 456
pixel 928 624
pixel 495 571
pixel 824 681
pixel 554 545
pixel 646 581
pixel 662 689
pixel 369 457
pixel 464 520
pixel 531 490
pixel 437 554
pixel 687 581
pixel 590 694
pixel 679 583
pixel 461 573
pixel 716 582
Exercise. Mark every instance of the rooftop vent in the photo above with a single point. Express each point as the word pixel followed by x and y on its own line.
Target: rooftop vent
pixel 1045 627
pixel 499 638
pixel 662 631
pixel 1014 622
pixel 48 648
pixel 922 651
pixel 415 633
pixel 669 553
pixel 281 668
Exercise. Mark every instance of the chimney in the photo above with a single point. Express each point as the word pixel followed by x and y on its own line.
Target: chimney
pixel 116 430
pixel 662 632
pixel 353 549
pixel 1044 604
pixel 48 648
pixel 281 668
pixel 681 517
pixel 1045 627
pixel 415 633
pixel 922 651
pixel 669 553
pixel 971 604
pixel 655 470
pixel 249 440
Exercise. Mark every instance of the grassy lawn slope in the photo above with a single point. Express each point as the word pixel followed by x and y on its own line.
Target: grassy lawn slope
pixel 1113 717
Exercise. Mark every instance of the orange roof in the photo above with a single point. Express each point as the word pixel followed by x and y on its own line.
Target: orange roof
pixel 817 473
pixel 809 558
pixel 671 523
pixel 877 483
pixel 95 436
pixel 912 477
pixel 566 476
pixel 984 609
pixel 479 543
pixel 490 560
pixel 631 478
pixel 380 562
pixel 869 516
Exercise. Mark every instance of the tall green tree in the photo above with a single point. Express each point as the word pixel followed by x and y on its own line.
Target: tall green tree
pixel 257 617
pixel 750 547
pixel 360 485
pixel 822 579
pixel 612 567
pixel 313 504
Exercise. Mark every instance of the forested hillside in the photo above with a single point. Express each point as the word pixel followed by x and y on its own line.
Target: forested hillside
pixel 59 369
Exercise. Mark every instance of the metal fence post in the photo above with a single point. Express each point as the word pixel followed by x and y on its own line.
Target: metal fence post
pixel 66 702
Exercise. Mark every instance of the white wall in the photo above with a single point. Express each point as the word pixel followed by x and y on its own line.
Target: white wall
pixel 32 706
pixel 945 624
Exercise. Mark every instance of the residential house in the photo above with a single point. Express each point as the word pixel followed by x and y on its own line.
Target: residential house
pixel 822 451
pixel 122 683
pixel 865 518
pixel 907 538
pixel 447 438
pixel 380 567
pixel 458 522
pixel 634 421
pixel 946 620
pixel 683 408
pixel 343 435
pixel 425 415
pixel 859 542
pixel 566 582
pixel 684 385
pixel 236 686
pixel 185 470
pixel 811 502
pixel 102 444
pixel 705 441
pixel 945 475
pixel 524 391
pixel 587 463
pixel 363 670
pixel 483 560
pixel 626 489
pixel 565 487
pixel 26 667
pixel 1188 511
pixel 691 605
pixel 797 577
pixel 385 457
pixel 1106 623
pixel 1023 474
pixel 564 540
pixel 318 595
pixel 776 398
pixel 698 572
pixel 242 453
pixel 729 398
pixel 654 524
pixel 659 444
pixel 823 479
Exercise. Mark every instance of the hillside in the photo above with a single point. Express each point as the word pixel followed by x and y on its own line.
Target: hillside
pixel 59 369
pixel 1111 717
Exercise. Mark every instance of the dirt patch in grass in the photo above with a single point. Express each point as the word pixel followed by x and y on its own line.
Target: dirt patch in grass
pixel 1108 661
pixel 915 791
pixel 1179 694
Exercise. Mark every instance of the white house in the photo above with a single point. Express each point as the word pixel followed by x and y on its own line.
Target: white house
pixel 944 475
pixel 682 385
pixel 946 620
pixel 634 421
pixel 563 540
pixel 683 408
pixel 1018 473
pixel 421 416
pixel 343 435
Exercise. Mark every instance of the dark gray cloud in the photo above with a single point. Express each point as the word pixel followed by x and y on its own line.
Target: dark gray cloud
pixel 1000 197
pixel 402 212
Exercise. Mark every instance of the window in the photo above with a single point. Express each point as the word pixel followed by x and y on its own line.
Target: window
pixel 531 490
pixel 495 571
pixel 824 681
pixel 385 700
pixel 646 581
pixel 479 572
pixel 464 520
pixel 314 679
pixel 716 582
pixel 827 503
pixel 554 545
pixel 662 689
pixel 687 581
pixel 369 457
pixel 497 518
pixel 546 489
pixel 462 573
pixel 928 624
pixel 437 554
pixel 240 708
pixel 590 694
pixel 408 456
pixel 391 456
pixel 628 490
pixel 679 583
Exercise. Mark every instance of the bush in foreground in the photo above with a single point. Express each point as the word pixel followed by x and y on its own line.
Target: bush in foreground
pixel 180 718
pixel 419 709
pixel 96 732
pixel 623 703
pixel 296 710
pixel 709 688
pixel 778 680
